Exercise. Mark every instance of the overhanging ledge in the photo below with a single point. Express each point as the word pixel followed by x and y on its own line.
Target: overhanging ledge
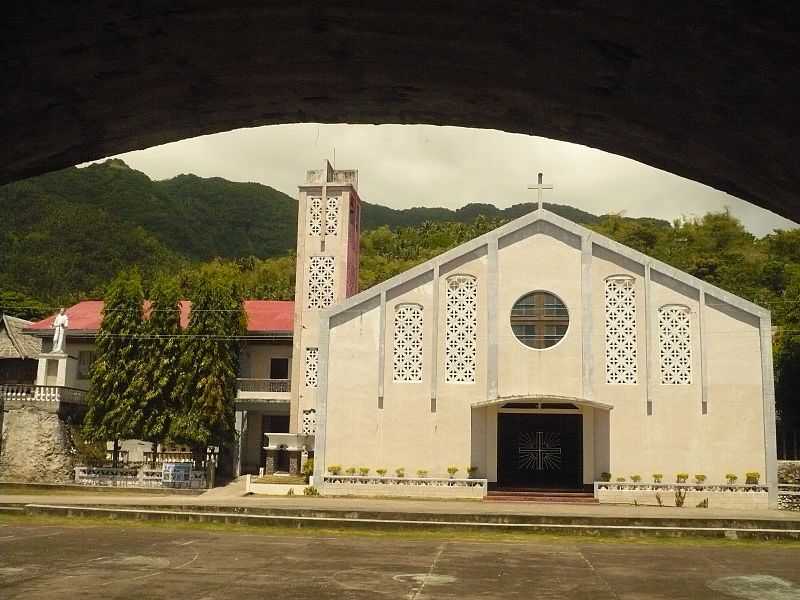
pixel 542 398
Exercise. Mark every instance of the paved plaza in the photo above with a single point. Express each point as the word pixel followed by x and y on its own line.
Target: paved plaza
pixel 50 559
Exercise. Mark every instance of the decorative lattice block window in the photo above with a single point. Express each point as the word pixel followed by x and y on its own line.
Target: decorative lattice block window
pixel 312 363
pixel 320 281
pixel 332 216
pixel 408 342
pixel 675 344
pixel 461 329
pixel 620 330
pixel 314 215
pixel 309 422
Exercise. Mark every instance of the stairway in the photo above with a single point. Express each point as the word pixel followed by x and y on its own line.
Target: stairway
pixel 542 496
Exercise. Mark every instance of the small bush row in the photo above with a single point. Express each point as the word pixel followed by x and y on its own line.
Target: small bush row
pixel 751 477
pixel 399 471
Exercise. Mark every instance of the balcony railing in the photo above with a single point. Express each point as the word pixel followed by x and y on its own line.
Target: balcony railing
pixel 264 385
pixel 42 393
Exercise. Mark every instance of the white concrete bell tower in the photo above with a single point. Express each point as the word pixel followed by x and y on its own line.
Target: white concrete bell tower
pixel 328 229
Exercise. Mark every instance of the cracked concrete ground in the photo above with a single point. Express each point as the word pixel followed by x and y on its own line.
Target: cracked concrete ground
pixel 42 561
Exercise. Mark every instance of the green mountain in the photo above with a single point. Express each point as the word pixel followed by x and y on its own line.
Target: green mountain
pixel 69 232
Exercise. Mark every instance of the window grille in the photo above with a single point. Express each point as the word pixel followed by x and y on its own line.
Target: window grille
pixel 408 342
pixel 620 296
pixel 461 329
pixel 675 344
pixel 320 281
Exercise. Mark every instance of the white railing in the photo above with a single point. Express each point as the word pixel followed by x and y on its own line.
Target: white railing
pixel 42 393
pixel 671 487
pixel 263 385
pixel 139 477
pixel 405 486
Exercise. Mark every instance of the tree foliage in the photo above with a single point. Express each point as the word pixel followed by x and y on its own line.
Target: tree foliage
pixel 206 386
pixel 113 402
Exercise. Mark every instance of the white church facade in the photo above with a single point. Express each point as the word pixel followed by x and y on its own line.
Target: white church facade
pixel 542 355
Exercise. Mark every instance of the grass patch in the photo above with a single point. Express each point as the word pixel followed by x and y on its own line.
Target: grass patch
pixel 14 489
pixel 307 530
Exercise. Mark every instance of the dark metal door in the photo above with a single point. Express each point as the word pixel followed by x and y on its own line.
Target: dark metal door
pixel 540 451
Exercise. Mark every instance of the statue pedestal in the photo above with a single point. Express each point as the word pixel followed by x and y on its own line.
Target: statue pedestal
pixel 55 369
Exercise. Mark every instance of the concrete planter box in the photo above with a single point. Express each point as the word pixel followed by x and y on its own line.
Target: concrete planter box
pixel 748 497
pixel 409 487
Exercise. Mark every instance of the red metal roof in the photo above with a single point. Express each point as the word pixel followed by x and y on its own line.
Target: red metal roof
pixel 262 315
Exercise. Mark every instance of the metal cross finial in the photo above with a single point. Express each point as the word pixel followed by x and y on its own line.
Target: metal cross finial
pixel 540 186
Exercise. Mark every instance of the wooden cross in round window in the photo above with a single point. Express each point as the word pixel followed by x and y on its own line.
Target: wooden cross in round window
pixel 539 319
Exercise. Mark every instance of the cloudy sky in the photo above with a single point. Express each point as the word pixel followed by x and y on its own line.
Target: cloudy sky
pixel 414 165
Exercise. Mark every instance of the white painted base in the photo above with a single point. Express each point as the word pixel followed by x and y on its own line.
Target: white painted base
pixel 752 500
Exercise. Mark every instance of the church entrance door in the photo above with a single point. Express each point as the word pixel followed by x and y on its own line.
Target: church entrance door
pixel 540 451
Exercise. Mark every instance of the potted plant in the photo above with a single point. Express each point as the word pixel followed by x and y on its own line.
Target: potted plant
pixel 699 479
pixel 335 470
pixel 422 473
pixel 381 472
pixel 605 476
pixel 400 472
pixel 452 471
pixel 657 477
pixel 681 477
pixel 363 471
pixel 350 471
pixel 731 477
pixel 636 478
pixel 471 471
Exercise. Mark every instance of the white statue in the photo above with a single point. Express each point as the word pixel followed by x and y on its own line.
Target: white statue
pixel 60 326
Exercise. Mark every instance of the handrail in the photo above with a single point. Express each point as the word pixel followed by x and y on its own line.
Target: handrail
pixel 250 384
pixel 42 393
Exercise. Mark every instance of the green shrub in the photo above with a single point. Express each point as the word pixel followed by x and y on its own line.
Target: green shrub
pixel 703 503
pixel 381 472
pixel 605 476
pixel 422 473
pixel 308 467
pixel 680 497
pixel 636 478
pixel 681 477
pixel 400 472
pixel 700 478
pixel 350 471
pixel 363 471
pixel 731 477
pixel 310 490
pixel 659 500
pixel 471 471
pixel 290 492
pixel 752 477
pixel 657 477
pixel 452 471
pixel 620 479
pixel 335 470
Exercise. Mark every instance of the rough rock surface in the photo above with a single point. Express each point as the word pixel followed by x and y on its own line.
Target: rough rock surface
pixel 36 447
pixel 705 90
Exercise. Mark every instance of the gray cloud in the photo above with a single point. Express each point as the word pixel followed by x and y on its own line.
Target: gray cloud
pixel 414 165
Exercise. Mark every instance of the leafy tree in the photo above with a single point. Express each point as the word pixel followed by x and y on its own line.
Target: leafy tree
pixel 206 386
pixel 159 363
pixel 22 306
pixel 787 358
pixel 112 399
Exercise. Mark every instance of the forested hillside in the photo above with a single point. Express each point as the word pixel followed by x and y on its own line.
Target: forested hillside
pixel 66 234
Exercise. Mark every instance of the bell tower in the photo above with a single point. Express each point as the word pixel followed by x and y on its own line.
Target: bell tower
pixel 328 230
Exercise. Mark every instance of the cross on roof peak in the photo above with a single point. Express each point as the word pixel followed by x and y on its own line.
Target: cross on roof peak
pixel 540 186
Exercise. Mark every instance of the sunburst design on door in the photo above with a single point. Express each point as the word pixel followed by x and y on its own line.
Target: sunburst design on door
pixel 540 451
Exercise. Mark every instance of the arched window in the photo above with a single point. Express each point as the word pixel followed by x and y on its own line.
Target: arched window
pixel 461 328
pixel 620 305
pixel 675 344
pixel 539 319
pixel 407 342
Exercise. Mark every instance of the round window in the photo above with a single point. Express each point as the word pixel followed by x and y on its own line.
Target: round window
pixel 539 319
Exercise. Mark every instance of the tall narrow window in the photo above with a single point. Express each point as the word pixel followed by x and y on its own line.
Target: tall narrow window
pixel 620 296
pixel 320 281
pixel 312 362
pixel 461 328
pixel 332 216
pixel 309 422
pixel 675 344
pixel 314 215
pixel 408 342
